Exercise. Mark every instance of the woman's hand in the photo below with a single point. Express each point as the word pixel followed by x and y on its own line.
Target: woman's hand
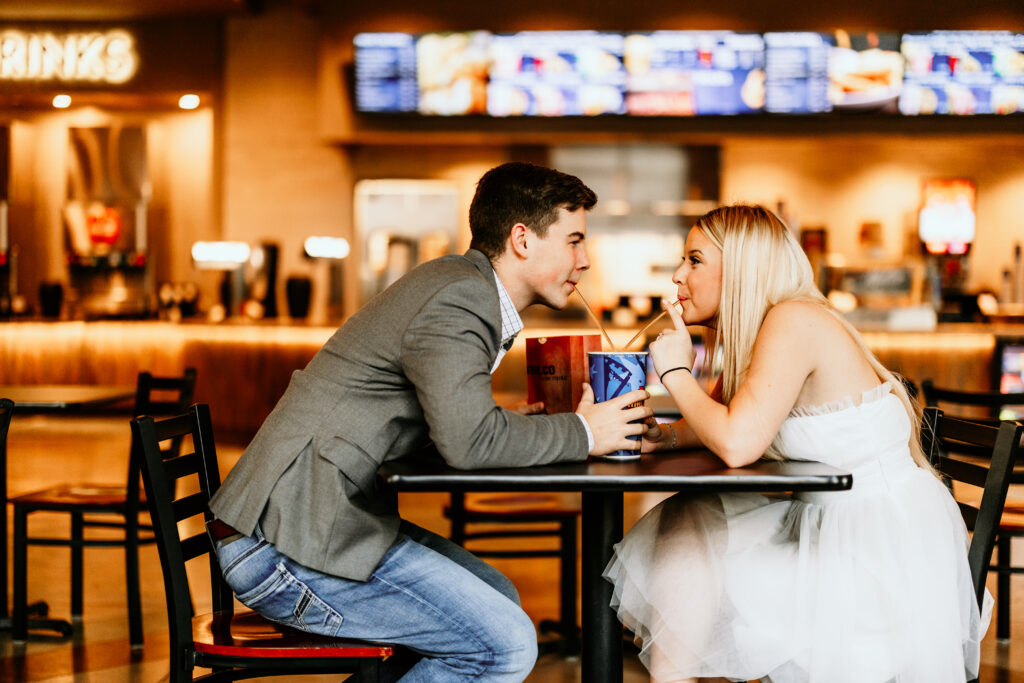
pixel 673 348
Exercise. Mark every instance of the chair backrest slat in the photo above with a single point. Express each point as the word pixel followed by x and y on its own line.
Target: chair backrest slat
pixel 190 506
pixel 194 546
pixel 184 465
pixel 966 472
pixel 945 439
pixel 183 389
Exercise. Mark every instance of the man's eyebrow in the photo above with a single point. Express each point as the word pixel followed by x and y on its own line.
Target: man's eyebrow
pixel 577 235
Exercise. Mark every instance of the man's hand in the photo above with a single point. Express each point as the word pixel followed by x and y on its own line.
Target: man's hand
pixel 610 421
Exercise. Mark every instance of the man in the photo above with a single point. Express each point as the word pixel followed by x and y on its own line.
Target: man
pixel 305 537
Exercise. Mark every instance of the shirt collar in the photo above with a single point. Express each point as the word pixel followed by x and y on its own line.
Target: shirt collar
pixel 511 323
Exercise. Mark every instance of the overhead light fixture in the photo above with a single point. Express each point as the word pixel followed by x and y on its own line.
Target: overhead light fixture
pixel 189 101
pixel 62 101
pixel 220 255
pixel 322 246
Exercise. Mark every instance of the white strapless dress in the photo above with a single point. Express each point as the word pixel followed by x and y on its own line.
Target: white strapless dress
pixel 869 585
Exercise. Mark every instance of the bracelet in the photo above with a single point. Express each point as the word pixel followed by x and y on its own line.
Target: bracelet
pixel 673 433
pixel 661 377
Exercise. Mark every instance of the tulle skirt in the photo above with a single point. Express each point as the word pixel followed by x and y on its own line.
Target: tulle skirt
pixel 870 585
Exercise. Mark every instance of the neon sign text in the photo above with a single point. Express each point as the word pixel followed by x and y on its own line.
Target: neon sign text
pixel 108 57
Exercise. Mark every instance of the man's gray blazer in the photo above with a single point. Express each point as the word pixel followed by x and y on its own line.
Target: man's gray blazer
pixel 410 367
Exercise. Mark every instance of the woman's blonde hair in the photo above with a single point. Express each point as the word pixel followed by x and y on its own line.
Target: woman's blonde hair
pixel 763 265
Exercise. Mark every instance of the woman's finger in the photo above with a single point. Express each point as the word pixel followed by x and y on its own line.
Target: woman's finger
pixel 677 318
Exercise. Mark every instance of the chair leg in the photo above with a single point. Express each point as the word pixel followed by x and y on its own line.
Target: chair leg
pixel 457 514
pixel 1003 586
pixel 77 535
pixel 19 619
pixel 131 580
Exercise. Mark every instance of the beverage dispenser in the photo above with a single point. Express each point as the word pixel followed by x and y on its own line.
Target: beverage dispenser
pixel 947 223
pixel 108 192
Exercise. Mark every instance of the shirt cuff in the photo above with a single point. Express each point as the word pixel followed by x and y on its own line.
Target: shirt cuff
pixel 590 434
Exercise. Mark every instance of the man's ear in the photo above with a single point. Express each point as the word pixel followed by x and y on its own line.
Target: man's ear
pixel 519 238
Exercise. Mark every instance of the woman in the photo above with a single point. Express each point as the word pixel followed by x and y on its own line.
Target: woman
pixel 869 585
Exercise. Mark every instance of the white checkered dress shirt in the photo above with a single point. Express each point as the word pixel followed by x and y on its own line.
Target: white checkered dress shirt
pixel 511 323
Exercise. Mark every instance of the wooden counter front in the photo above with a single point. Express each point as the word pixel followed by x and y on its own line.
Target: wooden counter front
pixel 244 369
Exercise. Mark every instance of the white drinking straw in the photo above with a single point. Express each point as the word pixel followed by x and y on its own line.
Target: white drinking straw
pixel 596 319
pixel 648 325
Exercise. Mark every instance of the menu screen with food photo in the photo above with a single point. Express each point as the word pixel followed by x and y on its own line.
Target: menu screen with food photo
pixel 451 71
pixel 556 73
pixel 963 73
pixel 694 73
pixel 809 73
pixel 865 71
pixel 386 72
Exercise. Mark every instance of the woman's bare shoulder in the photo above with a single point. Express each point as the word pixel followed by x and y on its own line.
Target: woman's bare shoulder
pixel 795 314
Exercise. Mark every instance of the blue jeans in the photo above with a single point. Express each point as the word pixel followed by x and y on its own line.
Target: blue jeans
pixel 458 617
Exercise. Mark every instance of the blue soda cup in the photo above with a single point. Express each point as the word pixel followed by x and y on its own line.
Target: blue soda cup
pixel 612 374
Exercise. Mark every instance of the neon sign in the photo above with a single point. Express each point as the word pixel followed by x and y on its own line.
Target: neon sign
pixel 107 57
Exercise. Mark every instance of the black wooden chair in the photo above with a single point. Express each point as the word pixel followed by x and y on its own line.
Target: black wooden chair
pixel 526 515
pixel 235 645
pixel 980 455
pixel 986 406
pixel 99 506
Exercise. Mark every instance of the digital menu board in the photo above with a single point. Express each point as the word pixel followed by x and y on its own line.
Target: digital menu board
pixel 556 73
pixel 385 72
pixel 963 73
pixel 688 73
pixel 808 73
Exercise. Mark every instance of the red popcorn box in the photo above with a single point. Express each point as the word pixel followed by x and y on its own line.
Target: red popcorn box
pixel 556 368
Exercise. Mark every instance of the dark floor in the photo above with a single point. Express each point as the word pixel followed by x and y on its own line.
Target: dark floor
pixel 42 450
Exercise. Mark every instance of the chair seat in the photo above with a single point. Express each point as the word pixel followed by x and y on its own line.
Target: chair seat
pixel 521 505
pixel 64 496
pixel 247 634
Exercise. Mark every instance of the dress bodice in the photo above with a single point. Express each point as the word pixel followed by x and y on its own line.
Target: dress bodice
pixel 846 434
